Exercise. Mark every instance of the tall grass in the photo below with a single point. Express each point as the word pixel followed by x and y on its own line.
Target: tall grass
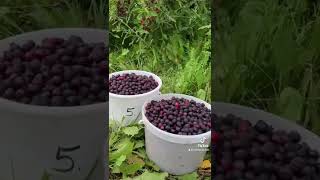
pixel 170 38
pixel 268 57
pixel 18 16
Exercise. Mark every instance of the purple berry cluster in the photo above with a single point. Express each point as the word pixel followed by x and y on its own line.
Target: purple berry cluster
pixel 254 152
pixel 179 116
pixel 55 72
pixel 131 84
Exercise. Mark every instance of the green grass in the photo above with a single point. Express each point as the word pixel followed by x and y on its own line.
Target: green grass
pixel 268 57
pixel 19 16
pixel 176 44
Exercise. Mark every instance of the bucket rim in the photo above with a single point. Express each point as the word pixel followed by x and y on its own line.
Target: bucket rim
pixel 276 121
pixel 59 32
pixel 50 110
pixel 157 89
pixel 176 138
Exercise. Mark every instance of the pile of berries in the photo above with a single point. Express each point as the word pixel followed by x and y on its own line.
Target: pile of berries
pixel 179 116
pixel 243 151
pixel 55 72
pixel 131 84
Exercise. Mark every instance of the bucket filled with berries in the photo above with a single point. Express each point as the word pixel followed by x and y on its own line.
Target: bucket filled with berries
pixel 53 104
pixel 128 90
pixel 177 132
pixel 252 144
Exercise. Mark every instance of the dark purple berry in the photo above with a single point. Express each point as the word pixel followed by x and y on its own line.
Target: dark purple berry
pixel 131 84
pixel 56 72
pixel 175 120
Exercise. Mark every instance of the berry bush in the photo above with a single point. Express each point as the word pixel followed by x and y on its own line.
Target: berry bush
pixel 272 65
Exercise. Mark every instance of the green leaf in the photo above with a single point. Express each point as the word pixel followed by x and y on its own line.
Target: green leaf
pixel 120 160
pixel 113 138
pixel 290 104
pixel 285 50
pixel 205 27
pixel 201 94
pixel 125 148
pixel 116 170
pixel 124 52
pixel 131 131
pixel 130 169
pixel 150 176
pixel 4 10
pixel 190 176
pixel 138 144
pixel 315 35
pixel 141 152
pixel 152 165
pixel 134 159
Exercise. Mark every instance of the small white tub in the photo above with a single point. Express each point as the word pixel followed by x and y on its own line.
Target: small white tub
pixel 175 154
pixel 127 108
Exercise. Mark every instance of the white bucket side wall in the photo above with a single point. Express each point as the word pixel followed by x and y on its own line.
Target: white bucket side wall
pixel 172 157
pixel 128 107
pixel 170 151
pixel 33 138
pixel 119 108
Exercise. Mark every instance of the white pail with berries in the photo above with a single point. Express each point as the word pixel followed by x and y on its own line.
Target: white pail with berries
pixel 44 138
pixel 128 90
pixel 177 144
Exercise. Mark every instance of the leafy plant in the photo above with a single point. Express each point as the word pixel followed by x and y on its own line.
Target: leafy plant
pixel 128 159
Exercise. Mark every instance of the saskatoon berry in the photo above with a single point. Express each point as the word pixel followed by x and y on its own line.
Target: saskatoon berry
pixel 35 65
pixel 27 46
pixel 265 153
pixel 294 136
pixel 261 126
pixel 240 165
pixel 9 93
pixel 66 60
pixel 176 120
pixel 56 72
pixel 75 40
pixel 83 51
pixel 97 54
pixel 297 164
pixel 57 101
pixel 131 84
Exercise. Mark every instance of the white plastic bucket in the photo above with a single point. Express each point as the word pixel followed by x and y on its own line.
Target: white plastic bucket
pixel 35 139
pixel 278 123
pixel 175 154
pixel 127 108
